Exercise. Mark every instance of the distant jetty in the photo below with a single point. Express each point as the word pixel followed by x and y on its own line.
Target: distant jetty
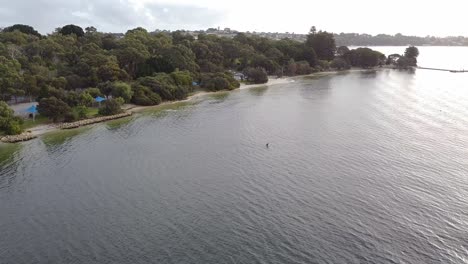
pixel 438 69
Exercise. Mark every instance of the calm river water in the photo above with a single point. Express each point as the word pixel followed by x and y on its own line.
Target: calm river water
pixel 362 168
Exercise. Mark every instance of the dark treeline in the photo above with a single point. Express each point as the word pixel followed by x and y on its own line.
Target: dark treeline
pixel 355 39
pixel 65 71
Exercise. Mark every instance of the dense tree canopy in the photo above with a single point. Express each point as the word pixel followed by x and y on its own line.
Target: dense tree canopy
pixel 72 29
pixel 23 29
pixel 364 58
pixel 53 108
pixel 110 107
pixel 323 43
pixel 256 75
pixel 67 68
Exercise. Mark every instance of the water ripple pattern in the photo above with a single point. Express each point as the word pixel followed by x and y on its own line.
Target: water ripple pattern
pixel 362 168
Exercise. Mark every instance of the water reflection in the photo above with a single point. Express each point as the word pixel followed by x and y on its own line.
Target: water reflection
pixel 368 74
pixel 118 123
pixel 60 137
pixel 7 152
pixel 218 97
pixel 258 91
pixel 163 109
pixel 359 168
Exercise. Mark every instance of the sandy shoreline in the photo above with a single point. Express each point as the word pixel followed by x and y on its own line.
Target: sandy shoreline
pixel 42 129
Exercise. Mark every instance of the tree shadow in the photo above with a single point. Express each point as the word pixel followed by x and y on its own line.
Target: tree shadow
pixel 258 91
pixel 60 137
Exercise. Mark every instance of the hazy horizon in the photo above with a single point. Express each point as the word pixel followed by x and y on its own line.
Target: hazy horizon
pixel 360 16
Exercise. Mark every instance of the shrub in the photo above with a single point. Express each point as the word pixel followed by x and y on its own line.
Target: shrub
pixel 166 87
pixel 81 111
pixel 218 81
pixel 339 64
pixel 323 65
pixel 12 128
pixel 110 107
pixel 144 96
pixel 303 68
pixel 53 108
pixel 86 99
pixel 94 92
pixel 256 75
pixel 123 90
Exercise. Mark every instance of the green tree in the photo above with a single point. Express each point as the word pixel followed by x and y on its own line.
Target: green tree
pixel 123 90
pixel 412 53
pixel 303 67
pixel 23 29
pixel 256 75
pixel 94 92
pixel 53 108
pixel 363 57
pixel 323 44
pixel 9 124
pixel 182 78
pixel 110 107
pixel 144 96
pixel 342 50
pixel 72 29
pixel 10 77
pixel 105 88
pixel 218 81
pixel 85 99
pixel 309 55
pixel 339 64
pixel 404 63
pixel 109 71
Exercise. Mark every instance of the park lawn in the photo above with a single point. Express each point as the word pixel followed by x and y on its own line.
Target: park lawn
pixel 29 123
pixel 92 112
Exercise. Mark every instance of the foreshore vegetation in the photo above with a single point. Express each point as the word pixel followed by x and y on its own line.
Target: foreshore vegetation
pixel 66 70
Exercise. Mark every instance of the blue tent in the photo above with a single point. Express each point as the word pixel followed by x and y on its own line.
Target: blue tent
pixel 99 99
pixel 194 84
pixel 32 110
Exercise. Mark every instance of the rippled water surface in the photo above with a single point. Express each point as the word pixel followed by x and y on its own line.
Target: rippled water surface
pixel 362 168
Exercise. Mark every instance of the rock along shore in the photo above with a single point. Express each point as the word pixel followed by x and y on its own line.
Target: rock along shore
pixel 28 135
pixel 93 121
pixel 18 138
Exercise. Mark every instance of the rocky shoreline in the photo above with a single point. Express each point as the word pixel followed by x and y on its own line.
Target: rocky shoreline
pixel 93 121
pixel 18 138
pixel 29 135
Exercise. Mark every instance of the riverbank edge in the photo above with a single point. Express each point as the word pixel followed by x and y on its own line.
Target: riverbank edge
pixel 130 109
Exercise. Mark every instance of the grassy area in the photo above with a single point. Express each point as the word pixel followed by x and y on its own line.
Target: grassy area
pixel 29 123
pixel 92 112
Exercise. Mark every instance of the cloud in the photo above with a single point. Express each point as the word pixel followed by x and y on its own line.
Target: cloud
pixel 107 15
pixel 363 16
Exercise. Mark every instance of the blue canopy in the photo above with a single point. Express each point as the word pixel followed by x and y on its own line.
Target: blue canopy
pixel 194 84
pixel 32 110
pixel 99 99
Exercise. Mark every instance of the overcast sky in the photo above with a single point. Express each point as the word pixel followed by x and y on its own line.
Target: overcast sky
pixel 409 17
